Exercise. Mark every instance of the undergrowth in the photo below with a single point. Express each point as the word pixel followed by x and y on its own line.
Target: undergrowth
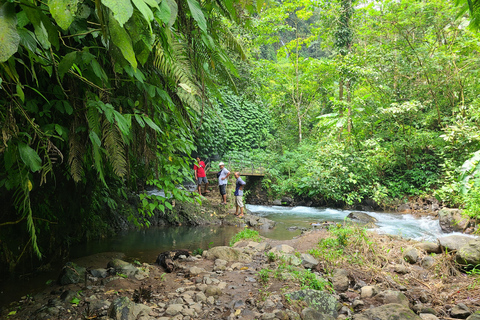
pixel 245 234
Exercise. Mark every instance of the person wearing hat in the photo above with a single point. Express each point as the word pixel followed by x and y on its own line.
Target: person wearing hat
pixel 223 175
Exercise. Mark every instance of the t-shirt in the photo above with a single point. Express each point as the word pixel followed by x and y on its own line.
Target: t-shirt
pixel 200 169
pixel 238 191
pixel 223 174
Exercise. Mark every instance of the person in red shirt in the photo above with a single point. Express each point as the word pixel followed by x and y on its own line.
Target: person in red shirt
pixel 200 175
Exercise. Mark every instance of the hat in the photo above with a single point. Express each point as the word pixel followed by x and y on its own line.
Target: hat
pixel 221 164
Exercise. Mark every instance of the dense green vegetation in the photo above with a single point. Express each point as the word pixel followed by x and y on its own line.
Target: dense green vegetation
pixel 342 101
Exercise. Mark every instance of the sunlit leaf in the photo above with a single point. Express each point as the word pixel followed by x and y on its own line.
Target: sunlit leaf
pixel 30 157
pixel 63 11
pixel 122 40
pixel 9 37
pixel 122 9
pixel 197 14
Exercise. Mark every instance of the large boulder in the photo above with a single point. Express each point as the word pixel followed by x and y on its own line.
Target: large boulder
pixel 361 217
pixel 123 267
pixel 71 273
pixel 124 309
pixel 470 253
pixel 451 220
pixel 320 301
pixel 454 242
pixel 282 248
pixel 226 253
pixel 388 311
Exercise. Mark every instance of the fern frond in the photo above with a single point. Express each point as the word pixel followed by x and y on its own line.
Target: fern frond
pixel 75 155
pixel 114 145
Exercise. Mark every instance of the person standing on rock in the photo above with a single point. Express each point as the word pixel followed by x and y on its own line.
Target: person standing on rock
pixel 200 175
pixel 239 194
pixel 223 175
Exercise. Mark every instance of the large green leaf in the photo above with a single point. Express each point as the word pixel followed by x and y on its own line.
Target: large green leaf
pixel 66 63
pixel 45 31
pixel 197 14
pixel 122 40
pixel 144 9
pixel 9 38
pixel 63 11
pixel 122 9
pixel 30 157
pixel 164 13
pixel 173 11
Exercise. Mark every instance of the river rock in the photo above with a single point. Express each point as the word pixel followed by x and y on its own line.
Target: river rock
pixel 277 202
pixel 124 309
pixel 429 247
pixel 368 292
pixel 312 314
pixel 451 220
pixel 361 217
pixel 99 273
pixel 460 311
pixel 256 221
pixel 123 267
pixel 226 253
pixel 220 264
pixel 287 201
pixel 388 311
pixel 454 242
pixel 282 248
pixel 340 280
pixel 174 309
pixel 427 262
pixel 71 273
pixel 213 291
pixel 410 255
pixel 308 261
pixel 470 253
pixel 428 316
pixel 400 268
pixel 320 301
pixel 196 270
pixel 392 297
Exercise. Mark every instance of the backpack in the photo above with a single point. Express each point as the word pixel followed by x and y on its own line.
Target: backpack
pixel 219 173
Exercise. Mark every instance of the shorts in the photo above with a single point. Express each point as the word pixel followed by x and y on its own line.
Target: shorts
pixel 201 180
pixel 223 189
pixel 239 201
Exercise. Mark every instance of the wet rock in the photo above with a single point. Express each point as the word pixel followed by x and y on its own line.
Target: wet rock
pixel 392 297
pixel 226 253
pixel 429 247
pixel 123 267
pixel 454 242
pixel 427 262
pixel 470 253
pixel 277 202
pixel 460 311
pixel 71 273
pixel 388 311
pixel 361 217
pixel 410 255
pixel 340 280
pixel 451 220
pixel 308 261
pixel 255 221
pixel 287 201
pixel 428 316
pixel 124 309
pixel 368 292
pixel 320 301
pixel 99 273
pixel 282 248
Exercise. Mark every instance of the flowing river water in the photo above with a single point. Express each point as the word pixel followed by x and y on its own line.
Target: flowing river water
pixel 145 245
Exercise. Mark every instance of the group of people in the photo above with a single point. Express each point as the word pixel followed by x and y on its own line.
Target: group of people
pixel 223 174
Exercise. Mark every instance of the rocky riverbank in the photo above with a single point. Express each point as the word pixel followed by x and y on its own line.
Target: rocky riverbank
pixel 339 273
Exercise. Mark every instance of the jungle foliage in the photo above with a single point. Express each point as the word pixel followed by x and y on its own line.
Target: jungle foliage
pixel 97 97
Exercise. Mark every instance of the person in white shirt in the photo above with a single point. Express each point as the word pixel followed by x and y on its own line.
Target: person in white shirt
pixel 223 175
